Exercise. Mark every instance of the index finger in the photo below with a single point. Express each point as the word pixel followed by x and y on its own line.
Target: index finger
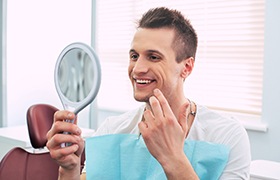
pixel 164 103
pixel 59 125
pixel 63 115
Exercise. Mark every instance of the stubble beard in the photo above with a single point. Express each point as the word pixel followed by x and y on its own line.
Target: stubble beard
pixel 142 99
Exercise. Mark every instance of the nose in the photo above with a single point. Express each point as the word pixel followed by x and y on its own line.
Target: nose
pixel 140 66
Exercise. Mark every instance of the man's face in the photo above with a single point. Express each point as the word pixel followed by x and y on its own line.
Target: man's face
pixel 152 64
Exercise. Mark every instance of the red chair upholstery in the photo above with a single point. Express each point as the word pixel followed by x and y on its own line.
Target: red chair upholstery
pixel 19 164
pixel 39 121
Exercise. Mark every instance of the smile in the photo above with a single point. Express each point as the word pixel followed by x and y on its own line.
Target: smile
pixel 143 81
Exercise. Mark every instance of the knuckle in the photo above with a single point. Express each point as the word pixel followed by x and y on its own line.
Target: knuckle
pixel 164 103
pixel 146 135
pixel 56 114
pixel 53 155
pixel 48 145
pixel 55 125
pixel 170 120
pixel 154 103
pixel 160 124
pixel 56 139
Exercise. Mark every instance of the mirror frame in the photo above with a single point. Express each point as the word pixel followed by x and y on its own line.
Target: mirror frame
pixel 76 107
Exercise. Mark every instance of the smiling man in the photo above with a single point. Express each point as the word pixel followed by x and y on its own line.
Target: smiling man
pixel 161 57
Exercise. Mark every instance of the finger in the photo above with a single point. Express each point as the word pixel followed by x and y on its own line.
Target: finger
pixel 61 153
pixel 167 112
pixel 76 145
pixel 148 116
pixel 183 117
pixel 62 126
pixel 56 140
pixel 156 108
pixel 55 136
pixel 59 116
pixel 142 126
pixel 63 115
pixel 81 145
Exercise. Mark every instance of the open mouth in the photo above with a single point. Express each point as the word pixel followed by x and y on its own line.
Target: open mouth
pixel 143 81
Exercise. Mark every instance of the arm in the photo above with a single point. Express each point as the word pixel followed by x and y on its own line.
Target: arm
pixel 69 157
pixel 164 136
pixel 238 166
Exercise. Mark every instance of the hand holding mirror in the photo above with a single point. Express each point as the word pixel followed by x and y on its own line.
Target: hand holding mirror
pixel 77 77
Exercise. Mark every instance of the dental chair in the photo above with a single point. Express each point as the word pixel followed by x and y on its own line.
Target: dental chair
pixel 35 164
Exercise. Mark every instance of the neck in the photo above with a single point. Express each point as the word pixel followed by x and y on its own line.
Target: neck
pixel 174 102
pixel 176 105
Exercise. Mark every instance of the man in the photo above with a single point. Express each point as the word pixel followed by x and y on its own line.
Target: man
pixel 162 56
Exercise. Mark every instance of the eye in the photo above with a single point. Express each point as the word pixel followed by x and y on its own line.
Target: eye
pixel 154 58
pixel 133 57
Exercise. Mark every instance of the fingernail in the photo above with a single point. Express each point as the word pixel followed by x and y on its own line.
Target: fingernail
pixel 78 131
pixel 69 115
pixel 76 147
pixel 156 91
pixel 152 98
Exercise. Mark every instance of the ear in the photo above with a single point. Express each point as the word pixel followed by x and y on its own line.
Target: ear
pixel 188 67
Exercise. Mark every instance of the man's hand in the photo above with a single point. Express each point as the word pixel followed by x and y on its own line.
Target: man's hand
pixel 68 157
pixel 164 136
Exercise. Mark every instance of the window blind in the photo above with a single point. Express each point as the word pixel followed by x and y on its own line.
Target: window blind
pixel 229 62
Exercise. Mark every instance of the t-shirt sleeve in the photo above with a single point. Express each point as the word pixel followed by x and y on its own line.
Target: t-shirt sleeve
pixel 238 166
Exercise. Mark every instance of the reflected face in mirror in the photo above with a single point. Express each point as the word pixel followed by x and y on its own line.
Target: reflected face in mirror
pixel 75 75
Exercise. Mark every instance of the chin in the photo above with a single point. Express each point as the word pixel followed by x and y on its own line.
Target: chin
pixel 141 98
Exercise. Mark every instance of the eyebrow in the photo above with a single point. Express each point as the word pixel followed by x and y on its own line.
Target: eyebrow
pixel 132 51
pixel 148 51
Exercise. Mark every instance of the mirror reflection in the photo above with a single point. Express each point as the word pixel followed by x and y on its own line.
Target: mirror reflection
pixel 75 75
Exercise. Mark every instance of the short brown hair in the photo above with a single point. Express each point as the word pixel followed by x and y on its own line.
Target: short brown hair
pixel 185 41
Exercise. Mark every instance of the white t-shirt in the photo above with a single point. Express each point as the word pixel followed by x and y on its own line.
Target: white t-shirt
pixel 207 126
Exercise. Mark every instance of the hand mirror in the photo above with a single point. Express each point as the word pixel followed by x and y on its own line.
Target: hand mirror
pixel 77 77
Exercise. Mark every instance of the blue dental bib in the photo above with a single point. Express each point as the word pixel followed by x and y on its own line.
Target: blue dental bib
pixel 126 157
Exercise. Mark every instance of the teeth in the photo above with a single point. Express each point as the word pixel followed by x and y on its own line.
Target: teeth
pixel 141 81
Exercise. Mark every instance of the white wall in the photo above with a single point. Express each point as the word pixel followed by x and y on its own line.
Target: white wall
pixel 267 145
pixel 35 38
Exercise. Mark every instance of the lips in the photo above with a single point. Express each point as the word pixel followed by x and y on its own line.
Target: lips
pixel 143 81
